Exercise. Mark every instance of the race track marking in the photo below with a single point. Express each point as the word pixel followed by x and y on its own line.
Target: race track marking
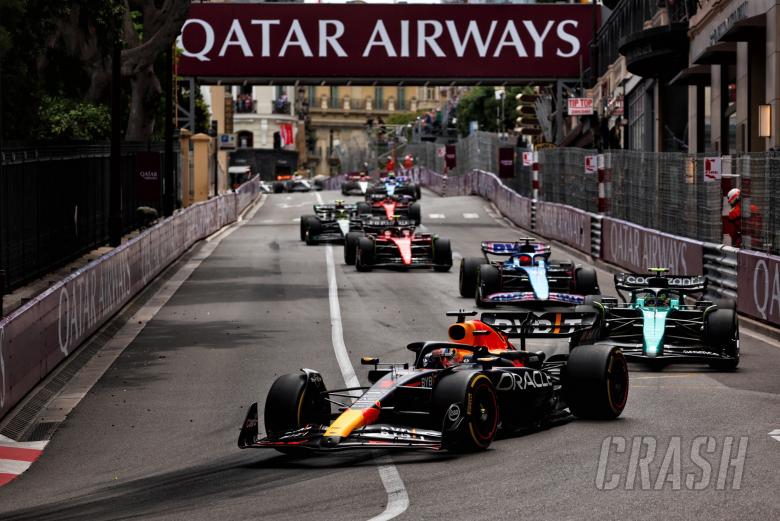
pixel 436 216
pixel 397 498
pixel 471 216
pixel 775 434
pixel 16 457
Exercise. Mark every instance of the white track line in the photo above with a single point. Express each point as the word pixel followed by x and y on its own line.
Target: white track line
pixel 397 498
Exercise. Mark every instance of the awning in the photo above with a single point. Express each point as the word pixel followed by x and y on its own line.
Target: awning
pixel 693 75
pixel 746 30
pixel 718 54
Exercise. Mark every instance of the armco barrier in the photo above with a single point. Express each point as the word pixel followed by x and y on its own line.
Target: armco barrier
pixel 564 223
pixel 39 335
pixel 759 278
pixel 636 248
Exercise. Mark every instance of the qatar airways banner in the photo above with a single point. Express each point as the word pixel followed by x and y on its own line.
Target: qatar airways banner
pixel 354 41
pixel 758 280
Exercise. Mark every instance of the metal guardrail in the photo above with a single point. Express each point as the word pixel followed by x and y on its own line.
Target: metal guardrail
pixel 720 268
pixel 595 236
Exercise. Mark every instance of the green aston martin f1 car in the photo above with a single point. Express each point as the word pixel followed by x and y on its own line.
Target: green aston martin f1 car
pixel 660 321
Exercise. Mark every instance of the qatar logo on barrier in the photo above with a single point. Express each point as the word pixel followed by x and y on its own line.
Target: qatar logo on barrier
pixel 383 41
pixel 766 289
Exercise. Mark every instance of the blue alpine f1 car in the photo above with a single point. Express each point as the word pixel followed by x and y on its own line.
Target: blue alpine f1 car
pixel 520 272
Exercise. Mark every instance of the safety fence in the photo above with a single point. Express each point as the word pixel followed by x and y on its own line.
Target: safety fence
pixel 676 193
pixel 47 329
pixel 629 245
pixel 54 202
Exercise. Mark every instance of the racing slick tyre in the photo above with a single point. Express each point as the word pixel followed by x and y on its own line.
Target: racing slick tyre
pixel 586 282
pixel 442 255
pixel 465 407
pixel 417 191
pixel 306 221
pixel 350 247
pixel 288 407
pixel 363 208
pixel 314 230
pixel 488 282
pixel 467 280
pixel 278 188
pixel 595 382
pixel 721 332
pixel 365 254
pixel 414 213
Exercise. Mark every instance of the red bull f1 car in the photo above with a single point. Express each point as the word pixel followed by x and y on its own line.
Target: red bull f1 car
pixel 520 272
pixel 456 394
pixel 658 322
pixel 390 206
pixel 400 247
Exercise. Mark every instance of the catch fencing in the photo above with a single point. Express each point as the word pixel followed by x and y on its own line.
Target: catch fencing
pixel 54 203
pixel 36 337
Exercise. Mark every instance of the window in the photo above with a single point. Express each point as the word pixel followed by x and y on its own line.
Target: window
pixel 334 97
pixel 636 119
pixel 708 119
pixel 401 105
pixel 379 98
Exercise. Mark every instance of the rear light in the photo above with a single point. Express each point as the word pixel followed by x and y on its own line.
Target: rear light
pixel 524 260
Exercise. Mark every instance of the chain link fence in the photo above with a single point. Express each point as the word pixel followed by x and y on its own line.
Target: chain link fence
pixel 563 178
pixel 754 222
pixel 663 191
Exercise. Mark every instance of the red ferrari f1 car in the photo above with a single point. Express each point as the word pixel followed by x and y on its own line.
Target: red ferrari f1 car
pixel 389 206
pixel 457 393
pixel 399 246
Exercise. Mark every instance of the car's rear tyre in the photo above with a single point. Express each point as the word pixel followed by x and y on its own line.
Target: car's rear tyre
pixel 313 231
pixel 586 282
pixel 595 382
pixel 721 332
pixel 488 282
pixel 417 191
pixel 442 255
pixel 365 254
pixel 350 247
pixel 415 214
pixel 466 409
pixel 306 222
pixel 467 279
pixel 289 406
pixel 363 208
pixel 278 188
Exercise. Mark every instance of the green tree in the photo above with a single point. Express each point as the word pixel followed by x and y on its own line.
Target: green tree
pixel 72 61
pixel 480 104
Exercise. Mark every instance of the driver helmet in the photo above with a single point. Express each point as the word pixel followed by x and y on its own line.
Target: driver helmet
pixel 733 196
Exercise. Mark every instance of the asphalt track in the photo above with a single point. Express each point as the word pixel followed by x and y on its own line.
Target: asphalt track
pixel 156 436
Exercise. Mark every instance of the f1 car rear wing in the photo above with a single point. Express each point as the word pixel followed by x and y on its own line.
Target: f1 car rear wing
pixel 525 245
pixel 542 324
pixel 330 207
pixel 385 223
pixel 659 280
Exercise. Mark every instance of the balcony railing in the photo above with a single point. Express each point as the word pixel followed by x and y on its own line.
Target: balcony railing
pixel 244 105
pixel 349 104
pixel 629 17
pixel 280 107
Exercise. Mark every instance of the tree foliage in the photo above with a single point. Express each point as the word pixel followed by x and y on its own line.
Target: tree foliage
pixel 480 104
pixel 61 50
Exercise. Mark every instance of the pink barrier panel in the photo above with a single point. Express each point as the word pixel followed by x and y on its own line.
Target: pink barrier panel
pixel 564 223
pixel 636 248
pixel 758 278
pixel 39 335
